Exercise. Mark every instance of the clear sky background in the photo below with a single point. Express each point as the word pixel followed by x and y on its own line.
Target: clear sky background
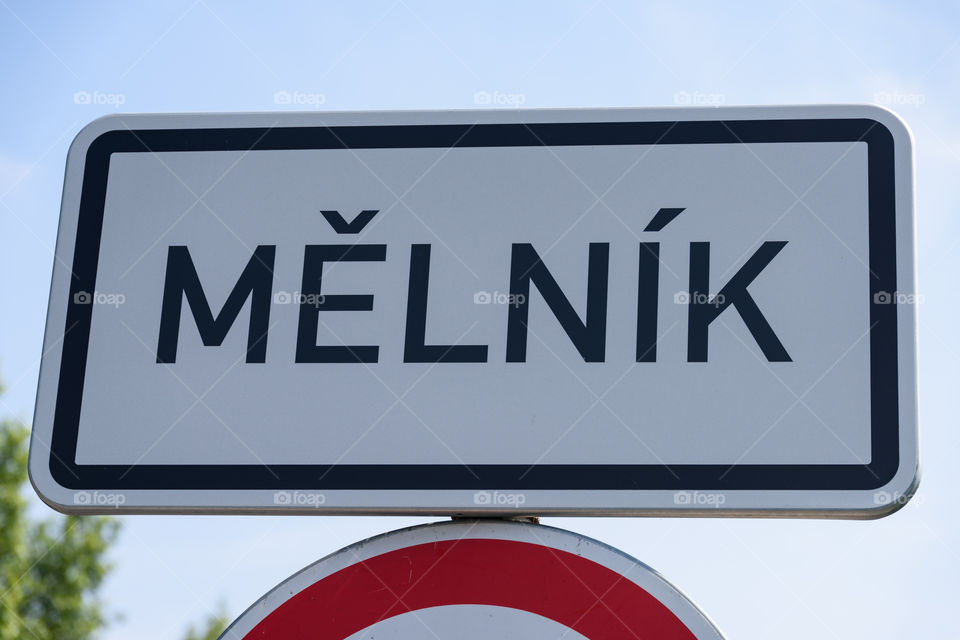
pixel 758 579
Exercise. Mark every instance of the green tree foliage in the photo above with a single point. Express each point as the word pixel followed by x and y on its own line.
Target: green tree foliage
pixel 50 570
pixel 212 627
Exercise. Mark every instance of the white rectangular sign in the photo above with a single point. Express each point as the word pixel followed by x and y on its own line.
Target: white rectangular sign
pixel 637 311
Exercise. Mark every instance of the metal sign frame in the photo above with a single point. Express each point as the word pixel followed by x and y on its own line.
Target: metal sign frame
pixel 842 490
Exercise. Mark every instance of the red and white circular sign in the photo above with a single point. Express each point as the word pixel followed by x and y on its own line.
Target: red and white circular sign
pixel 471 580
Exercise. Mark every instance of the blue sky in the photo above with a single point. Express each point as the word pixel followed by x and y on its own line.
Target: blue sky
pixel 757 579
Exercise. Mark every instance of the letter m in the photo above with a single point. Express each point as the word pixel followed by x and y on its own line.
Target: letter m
pixel 256 282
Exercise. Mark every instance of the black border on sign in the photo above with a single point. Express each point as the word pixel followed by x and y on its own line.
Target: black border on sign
pixel 884 409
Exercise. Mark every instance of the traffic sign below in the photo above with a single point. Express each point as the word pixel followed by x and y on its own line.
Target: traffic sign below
pixel 475 580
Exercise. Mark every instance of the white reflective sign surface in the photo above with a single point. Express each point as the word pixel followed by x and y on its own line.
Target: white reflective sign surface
pixel 624 311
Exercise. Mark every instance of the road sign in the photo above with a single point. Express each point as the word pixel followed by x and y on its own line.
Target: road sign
pixel 473 580
pixel 663 311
